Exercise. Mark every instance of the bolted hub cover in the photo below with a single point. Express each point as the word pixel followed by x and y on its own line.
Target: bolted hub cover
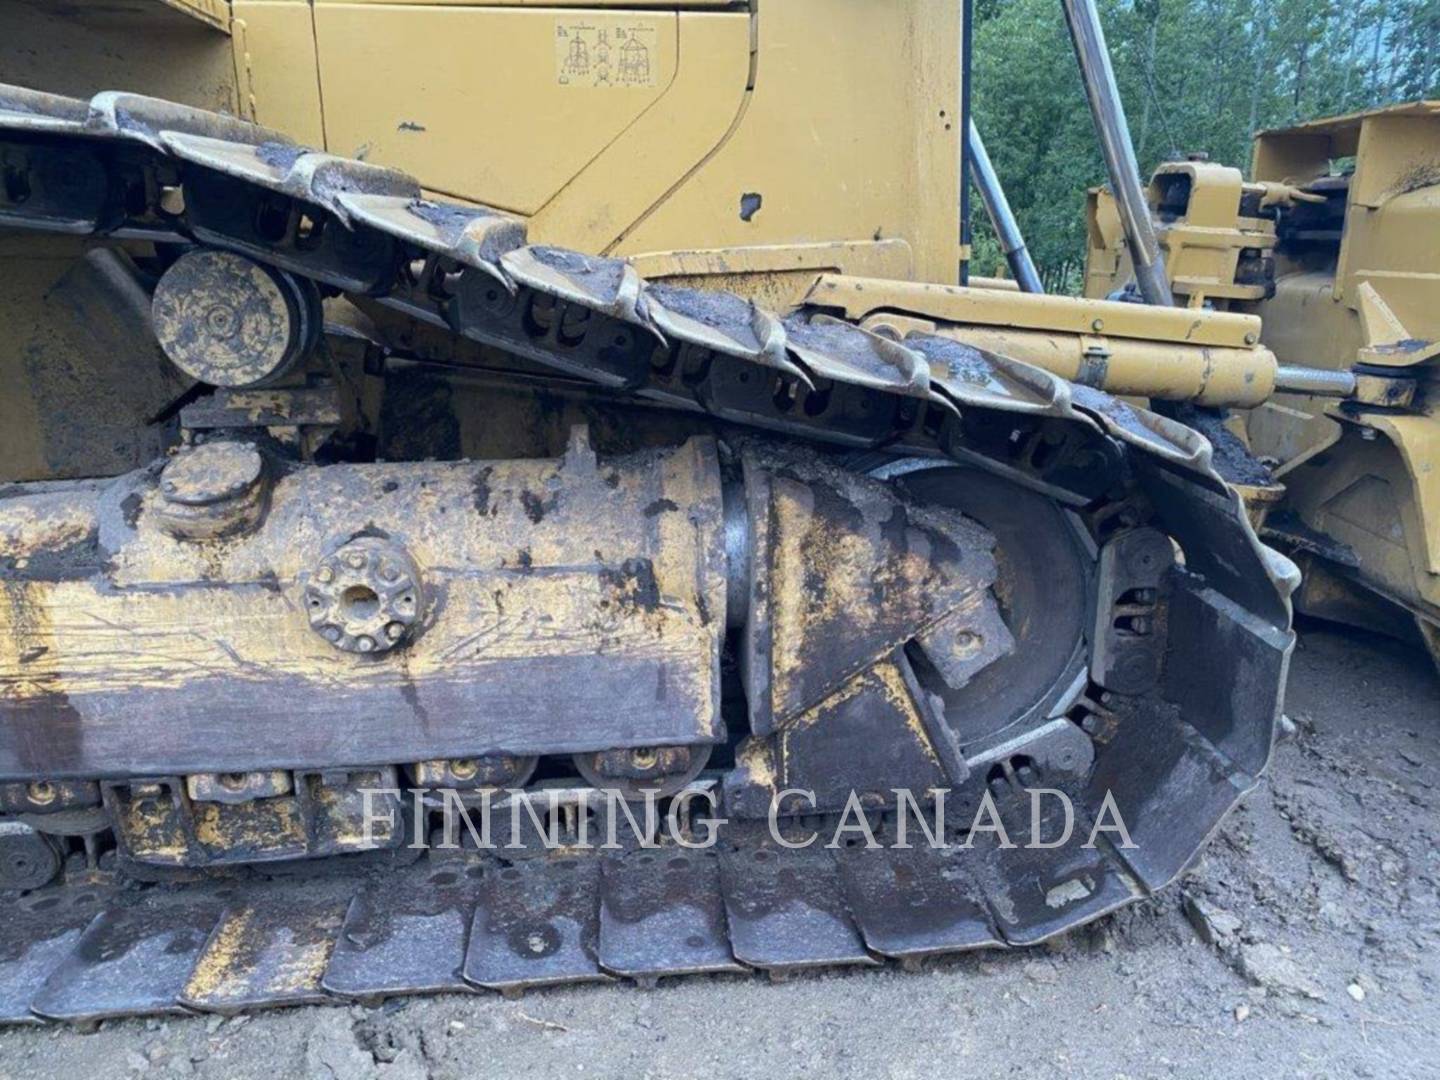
pixel 229 321
pixel 365 597
pixel 212 490
pixel 211 473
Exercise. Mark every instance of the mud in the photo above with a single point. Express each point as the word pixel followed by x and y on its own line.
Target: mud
pixel 599 277
pixel 1304 943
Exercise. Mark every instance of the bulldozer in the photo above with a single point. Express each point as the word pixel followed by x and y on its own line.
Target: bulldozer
pixel 430 423
pixel 1331 243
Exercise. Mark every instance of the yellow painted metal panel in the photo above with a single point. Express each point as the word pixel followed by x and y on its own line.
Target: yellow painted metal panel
pixel 1033 311
pixel 275 60
pixel 850 135
pixel 654 154
pixel 478 102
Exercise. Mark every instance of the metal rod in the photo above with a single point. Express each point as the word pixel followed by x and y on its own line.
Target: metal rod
pixel 967 21
pixel 1119 153
pixel 982 171
pixel 1290 378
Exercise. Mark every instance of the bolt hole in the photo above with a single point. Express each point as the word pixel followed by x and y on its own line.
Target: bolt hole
pixel 360 602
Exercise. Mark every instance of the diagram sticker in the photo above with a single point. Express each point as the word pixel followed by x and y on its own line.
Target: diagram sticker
pixel 596 55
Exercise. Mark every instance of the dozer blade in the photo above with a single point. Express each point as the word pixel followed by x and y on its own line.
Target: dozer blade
pixel 1005 583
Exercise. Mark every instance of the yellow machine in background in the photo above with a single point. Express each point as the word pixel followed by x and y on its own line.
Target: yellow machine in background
pixel 1333 243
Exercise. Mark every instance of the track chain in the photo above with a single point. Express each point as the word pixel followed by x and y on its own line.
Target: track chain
pixel 129 167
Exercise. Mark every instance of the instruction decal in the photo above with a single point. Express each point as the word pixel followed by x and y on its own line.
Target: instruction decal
pixel 594 54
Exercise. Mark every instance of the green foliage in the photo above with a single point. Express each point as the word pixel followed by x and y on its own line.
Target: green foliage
pixel 1195 76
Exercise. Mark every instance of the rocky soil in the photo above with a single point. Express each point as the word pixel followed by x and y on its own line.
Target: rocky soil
pixel 1304 943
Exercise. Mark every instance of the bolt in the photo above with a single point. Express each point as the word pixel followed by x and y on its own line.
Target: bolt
pixel 394 631
pixel 1251 338
pixel 967 643
pixel 325 575
pixel 41 793
pixel 464 768
pixel 168 487
pixel 355 560
pixel 1097 325
pixel 365 644
pixel 331 634
pixel 389 572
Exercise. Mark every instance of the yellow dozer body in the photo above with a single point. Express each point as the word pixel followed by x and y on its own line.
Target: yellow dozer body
pixel 1332 242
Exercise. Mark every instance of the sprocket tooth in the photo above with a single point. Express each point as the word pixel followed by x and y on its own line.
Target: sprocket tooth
pixel 831 348
pixel 536 924
pixel 271 947
pixel 132 960
pixel 148 120
pixel 473 236
pixel 22 109
pixel 785 908
pixel 662 913
pixel 916 902
pixel 297 171
pixel 37 934
pixel 723 322
pixel 407 937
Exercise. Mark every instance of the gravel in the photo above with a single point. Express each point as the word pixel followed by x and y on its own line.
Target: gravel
pixel 1304 943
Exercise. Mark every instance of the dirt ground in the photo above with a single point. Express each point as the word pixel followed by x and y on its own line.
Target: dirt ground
pixel 1304 943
